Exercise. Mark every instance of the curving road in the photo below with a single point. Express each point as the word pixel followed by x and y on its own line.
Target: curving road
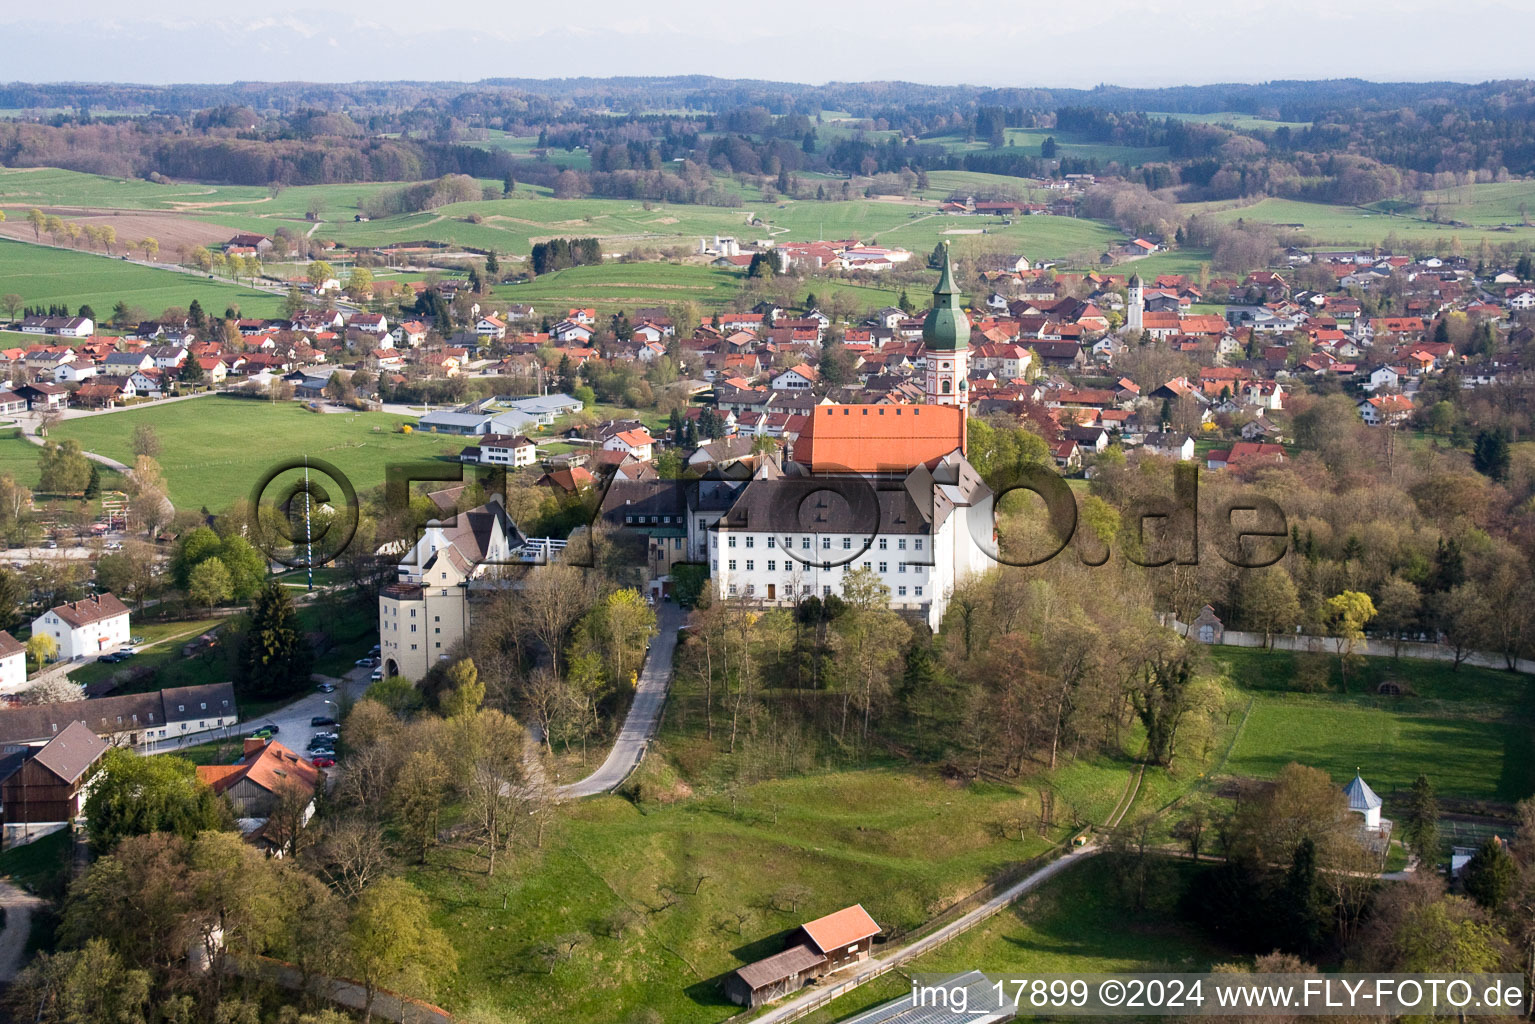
pixel 644 716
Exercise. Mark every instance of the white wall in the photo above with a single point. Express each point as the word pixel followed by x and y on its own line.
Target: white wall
pixel 13 672
pixel 100 637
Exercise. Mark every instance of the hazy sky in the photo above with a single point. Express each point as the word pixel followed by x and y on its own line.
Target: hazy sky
pixel 1123 42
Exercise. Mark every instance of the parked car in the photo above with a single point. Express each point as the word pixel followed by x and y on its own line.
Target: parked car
pixel 378 674
pixel 324 753
pixel 111 659
pixel 262 734
pixel 324 739
pixel 323 761
pixel 125 652
pixel 363 661
pixel 326 687
pixel 319 720
pixel 136 640
pixel 375 651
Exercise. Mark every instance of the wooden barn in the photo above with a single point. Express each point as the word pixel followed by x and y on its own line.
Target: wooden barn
pixel 842 938
pixel 46 784
pixel 814 949
pixel 774 977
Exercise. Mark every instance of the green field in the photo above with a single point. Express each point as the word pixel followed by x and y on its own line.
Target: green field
pixel 41 274
pixel 902 843
pixel 1027 141
pixel 1241 122
pixel 1488 204
pixel 627 286
pixel 512 225
pixel 1470 730
pixel 215 449
pixel 1325 224
pixel 1073 924
pixel 18 460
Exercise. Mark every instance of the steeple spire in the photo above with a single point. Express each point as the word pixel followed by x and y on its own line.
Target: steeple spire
pixel 946 327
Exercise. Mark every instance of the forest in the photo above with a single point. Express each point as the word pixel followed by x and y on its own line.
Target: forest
pixel 1344 142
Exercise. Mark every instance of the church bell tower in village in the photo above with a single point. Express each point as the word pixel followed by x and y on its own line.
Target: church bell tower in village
pixel 946 335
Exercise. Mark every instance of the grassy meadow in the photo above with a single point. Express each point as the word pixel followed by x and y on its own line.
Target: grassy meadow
pixel 43 275
pixel 1468 730
pixel 215 449
pixel 511 225
pixel 1325 224
pixel 704 882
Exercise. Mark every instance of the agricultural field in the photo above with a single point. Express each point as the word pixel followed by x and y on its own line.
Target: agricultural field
pixel 42 275
pixel 615 287
pixel 1241 122
pixel 512 225
pixel 1324 224
pixel 210 459
pixel 1027 141
pixel 1469 730
pixel 1489 204
pixel 524 145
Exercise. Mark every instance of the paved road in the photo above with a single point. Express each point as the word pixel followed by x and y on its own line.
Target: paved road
pixel 644 712
pixel 871 969
pixel 18 905
pixel 292 720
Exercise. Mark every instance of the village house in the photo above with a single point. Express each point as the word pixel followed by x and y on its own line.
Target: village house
pixel 87 627
pixel 1170 446
pixel 13 663
pixel 133 719
pixel 257 782
pixel 799 377
pixel 1385 409
pixel 637 443
pixel 506 450
pixel 47 785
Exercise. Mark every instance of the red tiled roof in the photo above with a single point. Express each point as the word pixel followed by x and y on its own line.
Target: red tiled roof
pixel 845 927
pixel 870 438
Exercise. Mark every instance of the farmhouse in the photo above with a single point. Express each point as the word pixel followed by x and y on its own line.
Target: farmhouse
pixel 254 784
pixel 85 627
pixel 128 720
pixel 47 784
pixel 637 443
pixel 811 951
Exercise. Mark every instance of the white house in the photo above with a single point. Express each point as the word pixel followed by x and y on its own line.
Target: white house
pixel 372 323
pixel 1383 377
pixel 426 611
pixel 1389 409
pixel 73 373
pixel 490 327
pixel 799 377
pixel 637 443
pixel 569 330
pixel 1170 446
pixel 506 450
pixel 13 663
pixel 84 628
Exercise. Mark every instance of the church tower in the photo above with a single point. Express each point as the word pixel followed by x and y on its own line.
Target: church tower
pixel 1135 304
pixel 946 335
